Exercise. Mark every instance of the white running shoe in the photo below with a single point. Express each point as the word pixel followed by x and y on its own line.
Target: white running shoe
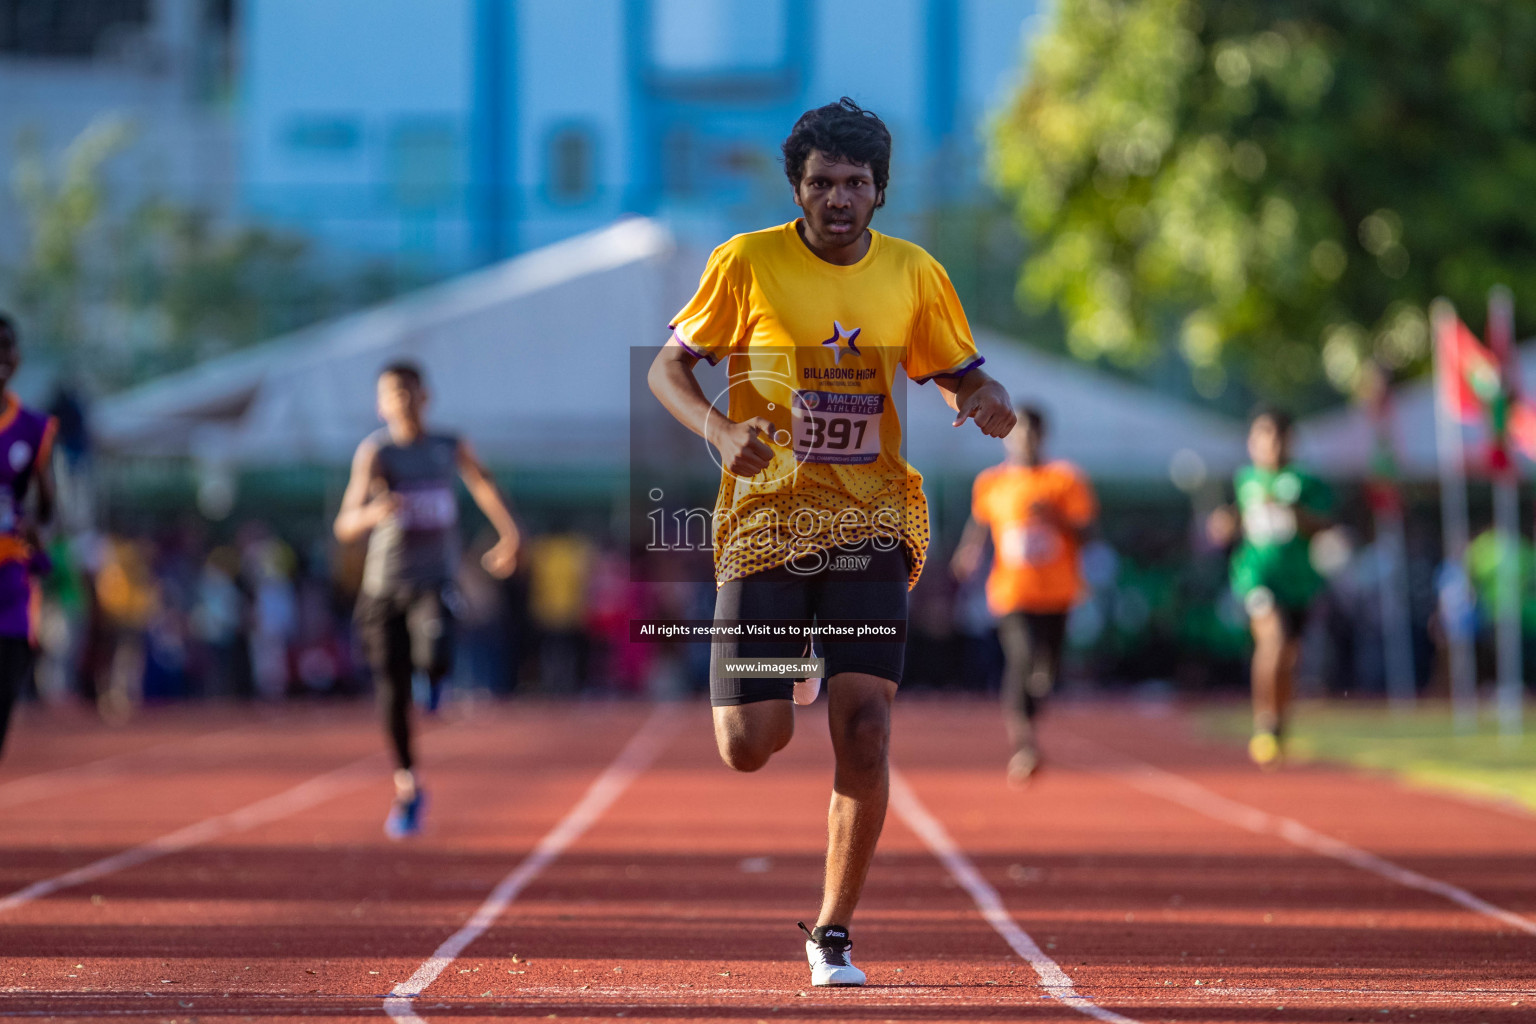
pixel 806 690
pixel 828 951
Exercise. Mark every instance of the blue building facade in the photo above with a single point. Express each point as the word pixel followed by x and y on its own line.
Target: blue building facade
pixel 444 134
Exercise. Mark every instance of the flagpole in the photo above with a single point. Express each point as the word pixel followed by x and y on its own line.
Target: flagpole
pixel 1506 519
pixel 1455 592
pixel 1396 625
pixel 1386 500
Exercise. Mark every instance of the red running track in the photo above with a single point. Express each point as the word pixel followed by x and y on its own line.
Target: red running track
pixel 229 865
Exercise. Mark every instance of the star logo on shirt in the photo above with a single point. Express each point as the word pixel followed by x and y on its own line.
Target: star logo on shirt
pixel 841 337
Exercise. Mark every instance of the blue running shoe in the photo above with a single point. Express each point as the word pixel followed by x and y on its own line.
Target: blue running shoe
pixel 405 816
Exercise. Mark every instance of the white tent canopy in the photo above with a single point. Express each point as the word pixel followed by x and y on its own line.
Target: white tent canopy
pixel 531 360
pixel 1110 427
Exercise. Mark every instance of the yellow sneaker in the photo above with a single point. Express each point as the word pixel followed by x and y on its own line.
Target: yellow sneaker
pixel 1265 750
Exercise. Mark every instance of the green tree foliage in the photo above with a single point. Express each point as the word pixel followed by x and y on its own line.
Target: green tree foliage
pixel 1280 185
pixel 115 295
pixel 63 207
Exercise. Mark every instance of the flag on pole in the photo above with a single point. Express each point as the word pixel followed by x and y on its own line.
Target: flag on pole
pixel 1475 388
pixel 1470 379
pixel 1454 403
pixel 1522 427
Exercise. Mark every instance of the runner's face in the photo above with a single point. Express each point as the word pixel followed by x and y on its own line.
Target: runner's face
pixel 1023 442
pixel 1268 447
pixel 838 200
pixel 400 399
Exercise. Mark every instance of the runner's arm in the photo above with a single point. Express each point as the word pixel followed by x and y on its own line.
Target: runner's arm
pixel 43 505
pixel 358 514
pixel 1223 525
pixel 674 385
pixel 968 552
pixel 1314 517
pixel 501 559
pixel 975 395
pixel 46 489
pixel 1310 523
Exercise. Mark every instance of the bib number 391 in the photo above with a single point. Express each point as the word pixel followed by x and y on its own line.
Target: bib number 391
pixel 830 426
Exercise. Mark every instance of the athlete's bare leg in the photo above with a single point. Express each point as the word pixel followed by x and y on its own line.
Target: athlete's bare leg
pixel 1274 666
pixel 859 714
pixel 749 734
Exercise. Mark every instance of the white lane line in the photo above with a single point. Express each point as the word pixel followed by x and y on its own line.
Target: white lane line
pixel 1052 978
pixel 305 795
pixel 643 747
pixel 1177 789
pixel 40 785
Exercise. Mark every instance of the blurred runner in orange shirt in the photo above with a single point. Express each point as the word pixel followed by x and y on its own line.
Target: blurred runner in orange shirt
pixel 1036 513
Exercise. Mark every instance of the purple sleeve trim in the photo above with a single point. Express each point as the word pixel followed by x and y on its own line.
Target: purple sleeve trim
pixel 959 371
pixel 711 360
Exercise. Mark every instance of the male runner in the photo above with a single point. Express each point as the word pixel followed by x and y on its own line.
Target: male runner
pixel 1037 512
pixel 1279 510
pixel 819 517
pixel 26 443
pixel 401 497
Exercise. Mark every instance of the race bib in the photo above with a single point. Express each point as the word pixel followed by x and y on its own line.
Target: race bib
pixel 428 509
pixel 1029 545
pixel 831 426
pixel 1269 523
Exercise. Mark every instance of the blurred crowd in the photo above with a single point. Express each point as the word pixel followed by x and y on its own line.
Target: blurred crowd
pixel 178 613
pixel 175 614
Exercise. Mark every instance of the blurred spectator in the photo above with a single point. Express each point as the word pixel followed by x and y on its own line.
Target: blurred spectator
pixel 127 597
pixel 559 567
pixel 616 665
pixel 482 654
pixel 218 623
pixel 267 565
pixel 72 464
pixel 1487 551
pixel 62 621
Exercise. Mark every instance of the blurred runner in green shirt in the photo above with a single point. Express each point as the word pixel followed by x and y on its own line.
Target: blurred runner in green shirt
pixel 1278 511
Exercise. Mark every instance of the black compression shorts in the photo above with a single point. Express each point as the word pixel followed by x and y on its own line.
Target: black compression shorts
pixel 408 628
pixel 855 585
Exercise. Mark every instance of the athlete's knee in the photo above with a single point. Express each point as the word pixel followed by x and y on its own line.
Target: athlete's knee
pixel 1268 631
pixel 747 740
pixel 747 749
pixel 865 737
pixel 741 754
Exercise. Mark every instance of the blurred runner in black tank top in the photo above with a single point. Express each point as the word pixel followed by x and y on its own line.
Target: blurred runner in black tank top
pixel 401 497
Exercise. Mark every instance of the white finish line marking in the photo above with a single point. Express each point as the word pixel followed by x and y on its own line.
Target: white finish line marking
pixel 648 741
pixel 305 795
pixel 1176 788
pixel 1052 978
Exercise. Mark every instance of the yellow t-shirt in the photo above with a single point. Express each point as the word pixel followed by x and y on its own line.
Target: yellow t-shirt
pixel 815 349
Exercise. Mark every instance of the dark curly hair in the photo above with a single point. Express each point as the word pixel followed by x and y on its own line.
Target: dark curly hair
pixel 842 131
pixel 8 333
pixel 408 371
pixel 1281 418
